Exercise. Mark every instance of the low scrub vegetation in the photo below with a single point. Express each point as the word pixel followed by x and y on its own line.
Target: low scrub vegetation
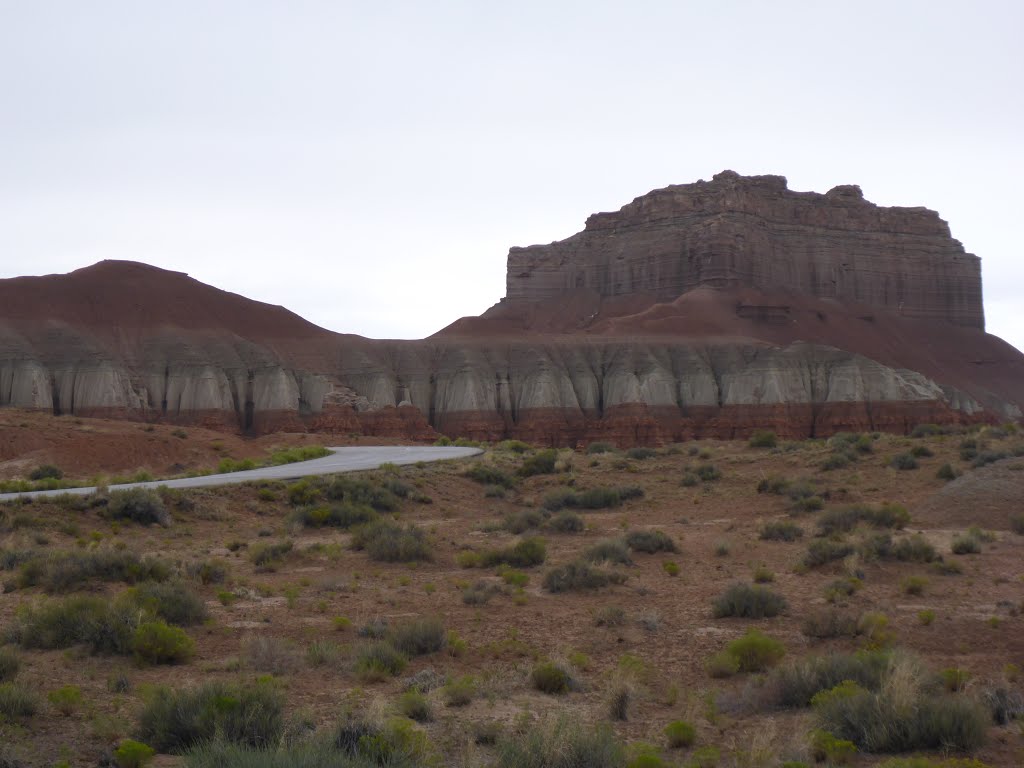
pixel 392 543
pixel 650 541
pixel 139 505
pixel 579 576
pixel 749 602
pixel 782 531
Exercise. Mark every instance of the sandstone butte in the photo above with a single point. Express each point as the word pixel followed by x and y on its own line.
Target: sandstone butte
pixel 700 310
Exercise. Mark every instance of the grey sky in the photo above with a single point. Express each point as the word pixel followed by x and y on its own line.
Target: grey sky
pixel 368 164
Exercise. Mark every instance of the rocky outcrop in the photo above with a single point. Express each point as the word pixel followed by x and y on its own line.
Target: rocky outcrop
pixel 755 232
pixel 705 310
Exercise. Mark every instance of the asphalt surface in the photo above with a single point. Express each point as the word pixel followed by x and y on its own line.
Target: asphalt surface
pixel 340 460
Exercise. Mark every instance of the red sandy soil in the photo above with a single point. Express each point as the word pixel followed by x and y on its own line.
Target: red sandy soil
pixel 669 628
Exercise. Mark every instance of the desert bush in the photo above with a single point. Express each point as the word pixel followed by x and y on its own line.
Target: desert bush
pixel 1017 523
pixel 132 754
pixel 566 522
pixel 914 585
pixel 296 454
pixel 598 498
pixel 901 716
pixel 988 457
pixel 460 691
pixel 486 474
pixel 208 571
pixel 267 556
pixel 66 571
pixel 378 661
pixel 837 460
pixel 641 453
pixel 175 719
pixel 600 447
pixel 140 505
pixel 608 551
pixel 841 588
pixel 391 543
pixel 156 642
pixel 763 438
pixel 746 601
pixel 415 706
pixel 418 637
pixel 562 743
pixel 522 554
pixel 914 549
pixel 650 541
pixel 303 493
pixel 549 677
pixel 481 592
pixel 708 473
pixel 9 665
pixel 967 544
pixel 172 601
pixel 822 551
pixel 540 463
pixel 46 472
pixel 755 652
pixel 781 532
pixel 1004 704
pixel 321 653
pixel 522 521
pixel 928 430
pixel 845 519
pixel 102 625
pixel 268 655
pixel 494 492
pixel 828 624
pixel 577 576
pixel 559 499
pixel 610 616
pixel 680 734
pixel 921 452
pixel 826 748
pixel 66 699
pixel 903 461
pixel 344 515
pixel 628 492
pixel 360 492
pixel 796 684
pixel 16 702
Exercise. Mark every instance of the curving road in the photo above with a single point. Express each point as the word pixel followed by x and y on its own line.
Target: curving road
pixel 340 460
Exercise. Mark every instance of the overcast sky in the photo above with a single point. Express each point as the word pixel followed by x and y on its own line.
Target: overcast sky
pixel 368 164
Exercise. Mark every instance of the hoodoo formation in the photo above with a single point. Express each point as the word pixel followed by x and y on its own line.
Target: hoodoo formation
pixel 707 309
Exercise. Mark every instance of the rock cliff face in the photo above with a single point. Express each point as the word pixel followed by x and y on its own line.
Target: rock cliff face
pixel 754 231
pixel 706 310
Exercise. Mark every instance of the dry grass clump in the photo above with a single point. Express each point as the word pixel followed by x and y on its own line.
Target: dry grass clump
pixel 749 602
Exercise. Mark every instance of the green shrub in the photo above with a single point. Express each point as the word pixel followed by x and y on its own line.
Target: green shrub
pixel 415 706
pixel 268 556
pixel 578 576
pixel 360 492
pixel 16 702
pixel 66 699
pixel 822 551
pixel 722 664
pixel 548 677
pixel 480 592
pixel 600 447
pixel 156 642
pixel 559 499
pixel 209 571
pixel 680 734
pixel 1017 524
pixel 344 515
pixel 172 601
pixel 651 542
pixel 566 522
pixel 900 717
pixel 827 748
pixel 460 691
pixel 296 454
pixel 763 438
pixel 914 585
pixel 914 549
pixel 836 461
pixel 781 532
pixel 515 578
pixel 46 472
pixel 921 452
pixel 845 519
pixel 378 661
pixel 670 567
pixel 522 521
pixel 562 743
pixel 391 543
pixel 966 545
pixel 9 665
pixel 903 461
pixel 640 453
pixel 755 652
pixel 746 601
pixel 494 492
pixel 540 463
pixel 523 554
pixel 598 498
pixel 175 719
pixel 140 505
pixel 928 430
pixel 708 473
pixel 988 457
pixel 418 637
pixel 927 762
pixel 609 551
pixel 66 571
pixel 823 625
pixel 133 754
pixel 102 625
pixel 486 474
pixel 796 684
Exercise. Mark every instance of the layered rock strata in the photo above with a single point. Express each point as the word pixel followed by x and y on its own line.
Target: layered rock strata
pixel 754 231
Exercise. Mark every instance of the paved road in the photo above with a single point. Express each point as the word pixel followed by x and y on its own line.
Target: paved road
pixel 340 460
